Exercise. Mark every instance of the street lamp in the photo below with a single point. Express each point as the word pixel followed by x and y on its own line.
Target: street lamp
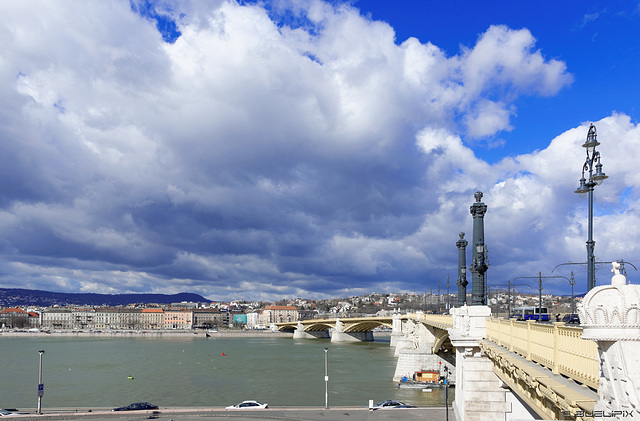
pixel 572 282
pixel 586 187
pixel 539 278
pixel 509 294
pixel 326 380
pixel 40 384
pixel 446 391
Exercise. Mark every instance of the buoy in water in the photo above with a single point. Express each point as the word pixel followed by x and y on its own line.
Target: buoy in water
pixel 224 355
pixel 130 377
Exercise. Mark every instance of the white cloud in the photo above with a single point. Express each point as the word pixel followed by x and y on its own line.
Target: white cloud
pixel 504 57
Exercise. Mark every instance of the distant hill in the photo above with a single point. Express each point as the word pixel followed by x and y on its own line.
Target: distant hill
pixel 16 297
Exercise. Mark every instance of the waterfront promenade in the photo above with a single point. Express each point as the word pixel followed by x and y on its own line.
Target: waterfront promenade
pixel 223 333
pixel 203 414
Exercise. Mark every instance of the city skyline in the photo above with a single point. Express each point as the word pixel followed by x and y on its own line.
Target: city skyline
pixel 264 151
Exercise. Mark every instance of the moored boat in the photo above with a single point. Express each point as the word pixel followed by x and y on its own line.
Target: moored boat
pixel 424 379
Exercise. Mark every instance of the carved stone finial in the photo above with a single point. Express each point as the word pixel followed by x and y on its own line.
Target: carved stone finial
pixel 478 195
pixel 616 267
pixel 617 279
pixel 461 235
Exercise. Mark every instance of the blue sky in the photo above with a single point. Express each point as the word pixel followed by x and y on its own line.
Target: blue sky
pixel 266 150
pixel 597 41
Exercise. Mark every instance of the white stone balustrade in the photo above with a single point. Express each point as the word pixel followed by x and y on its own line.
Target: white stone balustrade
pixel 555 346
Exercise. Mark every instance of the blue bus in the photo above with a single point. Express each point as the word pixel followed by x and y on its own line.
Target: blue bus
pixel 530 313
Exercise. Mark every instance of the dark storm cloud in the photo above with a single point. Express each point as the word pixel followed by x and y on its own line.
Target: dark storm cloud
pixel 247 159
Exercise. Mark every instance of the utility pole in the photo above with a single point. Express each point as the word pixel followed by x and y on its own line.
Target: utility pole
pixel 448 303
pixel 438 311
pixel 431 298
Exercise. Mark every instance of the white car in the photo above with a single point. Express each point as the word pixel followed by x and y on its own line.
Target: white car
pixel 249 405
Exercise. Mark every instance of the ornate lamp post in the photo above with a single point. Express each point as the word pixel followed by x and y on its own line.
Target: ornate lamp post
pixel 586 187
pixel 462 270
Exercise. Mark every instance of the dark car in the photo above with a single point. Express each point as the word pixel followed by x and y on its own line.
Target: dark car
pixel 8 412
pixel 391 405
pixel 138 406
pixel 571 318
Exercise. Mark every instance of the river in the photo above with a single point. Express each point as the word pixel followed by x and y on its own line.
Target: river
pixel 94 371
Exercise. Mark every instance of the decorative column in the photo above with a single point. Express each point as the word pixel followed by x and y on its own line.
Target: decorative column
pixel 610 316
pixel 478 265
pixel 462 270
pixel 479 395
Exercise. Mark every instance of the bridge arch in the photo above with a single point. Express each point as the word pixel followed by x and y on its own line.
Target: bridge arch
pixel 365 326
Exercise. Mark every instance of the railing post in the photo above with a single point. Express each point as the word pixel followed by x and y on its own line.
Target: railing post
pixel 529 322
pixel 511 335
pixel 556 347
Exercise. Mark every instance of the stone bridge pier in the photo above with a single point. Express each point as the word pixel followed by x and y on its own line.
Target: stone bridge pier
pixel 300 333
pixel 338 334
pixel 414 346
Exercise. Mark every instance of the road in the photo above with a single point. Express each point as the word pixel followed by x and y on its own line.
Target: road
pixel 215 414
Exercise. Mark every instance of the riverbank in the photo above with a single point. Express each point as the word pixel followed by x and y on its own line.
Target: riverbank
pixel 150 333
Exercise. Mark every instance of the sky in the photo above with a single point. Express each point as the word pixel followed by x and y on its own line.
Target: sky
pixel 266 150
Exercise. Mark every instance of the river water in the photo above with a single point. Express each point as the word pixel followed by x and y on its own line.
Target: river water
pixel 94 371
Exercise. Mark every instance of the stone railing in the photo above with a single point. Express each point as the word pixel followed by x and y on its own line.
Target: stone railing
pixel 439 320
pixel 558 347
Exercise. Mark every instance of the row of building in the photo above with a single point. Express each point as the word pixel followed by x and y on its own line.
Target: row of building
pixel 119 318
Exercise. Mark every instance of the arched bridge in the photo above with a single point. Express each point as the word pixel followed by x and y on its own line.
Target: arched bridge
pixel 407 330
pixel 498 361
pixel 352 324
